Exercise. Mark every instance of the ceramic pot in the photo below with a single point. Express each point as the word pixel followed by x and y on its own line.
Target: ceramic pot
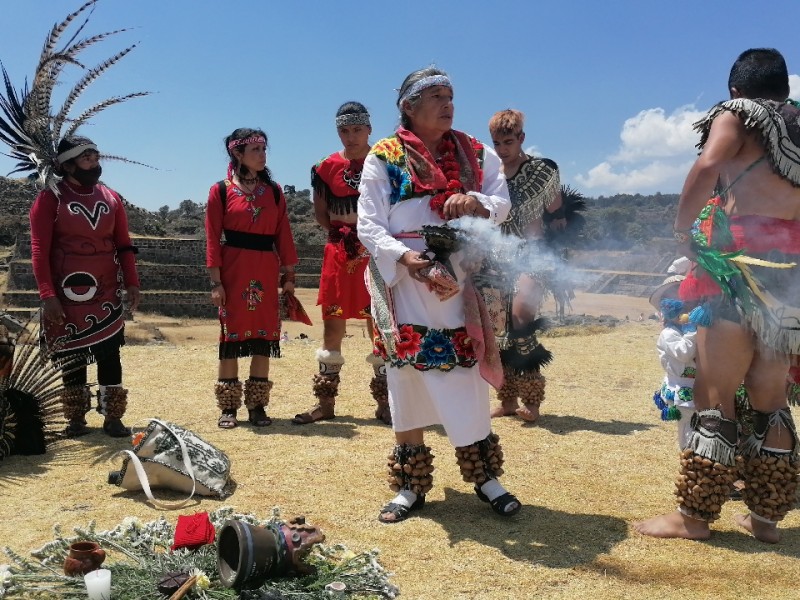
pixel 83 558
pixel 246 554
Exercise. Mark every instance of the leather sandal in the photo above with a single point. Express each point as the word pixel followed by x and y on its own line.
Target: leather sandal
pixel 227 420
pixel 115 428
pixel 500 503
pixel 312 416
pixel 400 512
pixel 76 428
pixel 257 417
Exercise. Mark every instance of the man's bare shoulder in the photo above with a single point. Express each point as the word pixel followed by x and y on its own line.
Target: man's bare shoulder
pixel 727 123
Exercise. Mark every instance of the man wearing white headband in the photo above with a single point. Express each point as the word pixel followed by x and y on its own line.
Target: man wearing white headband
pixel 342 292
pixel 79 240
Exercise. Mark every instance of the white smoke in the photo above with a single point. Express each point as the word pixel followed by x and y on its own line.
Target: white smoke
pixel 484 241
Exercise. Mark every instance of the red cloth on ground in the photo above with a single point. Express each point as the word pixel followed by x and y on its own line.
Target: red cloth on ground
pixel 343 292
pixel 249 277
pixel 193 531
pixel 74 243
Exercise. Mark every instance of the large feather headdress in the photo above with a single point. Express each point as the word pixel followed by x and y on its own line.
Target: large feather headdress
pixel 28 123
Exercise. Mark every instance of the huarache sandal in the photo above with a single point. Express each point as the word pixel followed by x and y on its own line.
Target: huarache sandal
pixel 227 420
pixel 399 512
pixel 257 417
pixel 318 413
pixel 501 504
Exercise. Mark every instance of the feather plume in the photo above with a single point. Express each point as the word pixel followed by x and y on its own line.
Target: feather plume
pixel 29 125
pixel 30 390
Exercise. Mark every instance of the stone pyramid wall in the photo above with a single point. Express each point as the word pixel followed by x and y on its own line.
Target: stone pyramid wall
pixel 172 271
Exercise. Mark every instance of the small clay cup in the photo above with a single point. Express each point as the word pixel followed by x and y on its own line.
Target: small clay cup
pixel 83 558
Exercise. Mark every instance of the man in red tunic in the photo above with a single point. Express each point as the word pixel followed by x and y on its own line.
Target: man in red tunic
pixel 82 260
pixel 342 291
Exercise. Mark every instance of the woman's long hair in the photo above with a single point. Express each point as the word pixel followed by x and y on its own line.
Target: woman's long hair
pixel 235 166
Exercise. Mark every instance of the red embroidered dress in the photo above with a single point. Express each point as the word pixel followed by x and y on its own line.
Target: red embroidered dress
pixel 258 240
pixel 342 291
pixel 80 246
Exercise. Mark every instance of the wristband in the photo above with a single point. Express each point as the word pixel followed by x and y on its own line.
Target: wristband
pixel 215 284
pixel 288 277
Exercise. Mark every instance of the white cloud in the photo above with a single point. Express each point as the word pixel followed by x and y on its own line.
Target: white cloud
pixel 654 134
pixel 656 151
pixel 651 177
pixel 532 151
pixel 794 87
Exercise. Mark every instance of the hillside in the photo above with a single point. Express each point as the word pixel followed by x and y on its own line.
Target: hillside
pixel 637 226
pixel 185 221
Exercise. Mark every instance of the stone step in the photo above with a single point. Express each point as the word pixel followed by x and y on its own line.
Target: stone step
pixel 184 278
pixel 165 302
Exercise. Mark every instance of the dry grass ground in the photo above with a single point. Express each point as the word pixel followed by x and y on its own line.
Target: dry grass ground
pixel 598 460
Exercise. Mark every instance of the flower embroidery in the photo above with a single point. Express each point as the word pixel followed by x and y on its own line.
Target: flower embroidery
pixel 437 351
pixel 400 181
pixel 408 343
pixel 255 210
pixel 254 294
pixel 463 344
pixel 389 150
pixel 426 349
pixel 379 349
pixel 333 310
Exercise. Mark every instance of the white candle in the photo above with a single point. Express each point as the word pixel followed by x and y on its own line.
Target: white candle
pixel 98 584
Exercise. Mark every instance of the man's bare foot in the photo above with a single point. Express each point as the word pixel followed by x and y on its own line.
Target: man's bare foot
pixel 505 410
pixel 765 532
pixel 674 525
pixel 528 412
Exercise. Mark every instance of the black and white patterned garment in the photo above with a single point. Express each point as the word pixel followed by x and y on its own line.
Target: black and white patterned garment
pixel 532 188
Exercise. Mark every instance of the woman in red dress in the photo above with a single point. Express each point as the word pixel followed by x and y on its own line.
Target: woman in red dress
pixel 249 210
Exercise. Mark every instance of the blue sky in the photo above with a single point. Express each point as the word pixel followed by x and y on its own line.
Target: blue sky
pixel 609 88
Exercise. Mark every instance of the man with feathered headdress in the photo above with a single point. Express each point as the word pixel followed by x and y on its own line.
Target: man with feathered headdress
pixel 80 244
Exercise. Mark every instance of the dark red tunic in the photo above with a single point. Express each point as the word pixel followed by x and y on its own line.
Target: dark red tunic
pixel 81 253
pixel 250 321
pixel 342 291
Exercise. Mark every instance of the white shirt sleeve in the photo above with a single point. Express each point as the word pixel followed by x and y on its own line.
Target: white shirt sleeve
pixel 681 347
pixel 373 220
pixel 494 192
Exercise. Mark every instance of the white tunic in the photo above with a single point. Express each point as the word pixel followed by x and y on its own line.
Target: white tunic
pixel 457 399
pixel 677 352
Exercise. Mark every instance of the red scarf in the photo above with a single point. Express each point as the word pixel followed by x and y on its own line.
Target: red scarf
pixel 427 177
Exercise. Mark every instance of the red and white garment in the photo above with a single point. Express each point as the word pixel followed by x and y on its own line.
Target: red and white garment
pixel 81 253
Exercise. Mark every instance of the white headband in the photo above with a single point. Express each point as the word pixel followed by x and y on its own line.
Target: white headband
pixel 352 119
pixel 76 151
pixel 425 82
